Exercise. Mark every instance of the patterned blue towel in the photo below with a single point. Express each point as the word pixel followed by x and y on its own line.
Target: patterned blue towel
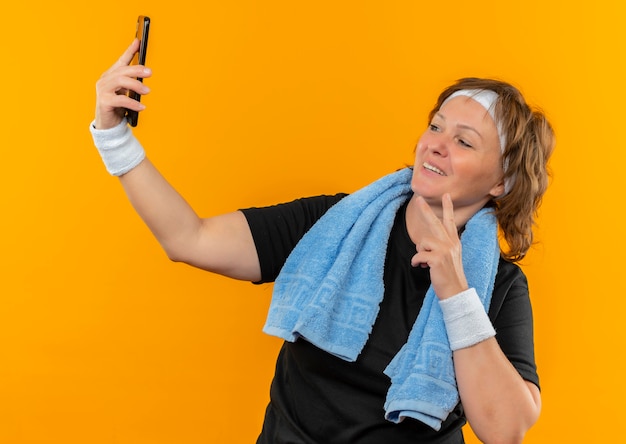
pixel 330 288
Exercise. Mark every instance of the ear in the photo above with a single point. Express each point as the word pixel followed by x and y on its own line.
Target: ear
pixel 498 189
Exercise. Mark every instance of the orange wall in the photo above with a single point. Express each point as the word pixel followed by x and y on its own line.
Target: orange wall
pixel 103 340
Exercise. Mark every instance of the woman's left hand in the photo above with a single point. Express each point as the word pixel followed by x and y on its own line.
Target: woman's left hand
pixel 440 248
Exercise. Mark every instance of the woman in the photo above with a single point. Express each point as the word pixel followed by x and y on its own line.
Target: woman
pixel 404 320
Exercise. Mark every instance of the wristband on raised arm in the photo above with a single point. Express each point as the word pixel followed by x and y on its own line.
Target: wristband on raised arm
pixel 118 147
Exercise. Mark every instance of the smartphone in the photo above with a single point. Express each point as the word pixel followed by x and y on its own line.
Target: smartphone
pixel 143 28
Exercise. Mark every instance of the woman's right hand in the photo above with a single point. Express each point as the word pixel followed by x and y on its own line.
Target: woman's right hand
pixel 111 89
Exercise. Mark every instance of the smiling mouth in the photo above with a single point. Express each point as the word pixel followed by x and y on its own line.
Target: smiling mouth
pixel 432 168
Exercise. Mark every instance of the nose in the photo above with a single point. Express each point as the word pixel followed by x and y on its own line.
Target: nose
pixel 438 145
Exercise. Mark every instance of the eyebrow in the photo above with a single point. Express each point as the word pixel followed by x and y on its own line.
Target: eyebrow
pixel 461 125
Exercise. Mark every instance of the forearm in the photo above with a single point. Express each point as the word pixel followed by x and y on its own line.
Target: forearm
pixel 500 406
pixel 498 403
pixel 167 214
pixel 169 217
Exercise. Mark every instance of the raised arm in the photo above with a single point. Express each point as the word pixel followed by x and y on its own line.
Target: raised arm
pixel 220 244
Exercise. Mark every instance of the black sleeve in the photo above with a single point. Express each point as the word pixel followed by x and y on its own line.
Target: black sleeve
pixel 511 315
pixel 277 229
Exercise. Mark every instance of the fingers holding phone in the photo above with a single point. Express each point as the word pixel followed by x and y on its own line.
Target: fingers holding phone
pixel 139 58
pixel 118 89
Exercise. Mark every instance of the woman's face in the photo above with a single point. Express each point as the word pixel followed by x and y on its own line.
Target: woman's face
pixel 459 153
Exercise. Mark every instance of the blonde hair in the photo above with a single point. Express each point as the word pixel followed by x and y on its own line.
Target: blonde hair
pixel 529 143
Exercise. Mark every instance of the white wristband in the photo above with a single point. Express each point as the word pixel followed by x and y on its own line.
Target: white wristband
pixel 118 147
pixel 466 320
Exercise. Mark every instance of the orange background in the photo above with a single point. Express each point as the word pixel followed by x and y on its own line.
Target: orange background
pixel 103 340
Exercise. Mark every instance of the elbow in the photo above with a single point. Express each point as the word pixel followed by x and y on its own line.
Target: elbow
pixel 177 256
pixel 173 255
pixel 175 252
pixel 188 255
pixel 509 426
pixel 510 434
pixel 508 438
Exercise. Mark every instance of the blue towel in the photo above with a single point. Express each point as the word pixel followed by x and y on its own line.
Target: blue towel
pixel 423 384
pixel 330 288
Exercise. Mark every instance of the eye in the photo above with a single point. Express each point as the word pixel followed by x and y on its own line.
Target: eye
pixel 433 128
pixel 464 143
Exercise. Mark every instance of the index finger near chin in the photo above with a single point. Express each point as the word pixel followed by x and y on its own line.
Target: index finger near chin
pixel 431 222
pixel 448 213
pixel 425 211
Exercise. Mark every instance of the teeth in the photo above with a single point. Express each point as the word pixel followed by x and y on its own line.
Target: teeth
pixel 432 168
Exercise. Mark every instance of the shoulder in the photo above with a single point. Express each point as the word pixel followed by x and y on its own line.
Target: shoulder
pixel 278 228
pixel 509 274
pixel 510 288
pixel 512 317
pixel 314 206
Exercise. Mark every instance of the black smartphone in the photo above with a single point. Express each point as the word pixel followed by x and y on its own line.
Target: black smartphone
pixel 143 28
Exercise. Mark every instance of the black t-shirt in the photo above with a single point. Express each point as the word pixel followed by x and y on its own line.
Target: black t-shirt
pixel 319 398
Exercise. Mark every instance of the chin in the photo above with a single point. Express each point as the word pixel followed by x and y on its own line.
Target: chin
pixel 426 192
pixel 426 186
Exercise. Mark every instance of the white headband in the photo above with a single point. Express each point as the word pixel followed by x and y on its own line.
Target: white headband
pixel 487 100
